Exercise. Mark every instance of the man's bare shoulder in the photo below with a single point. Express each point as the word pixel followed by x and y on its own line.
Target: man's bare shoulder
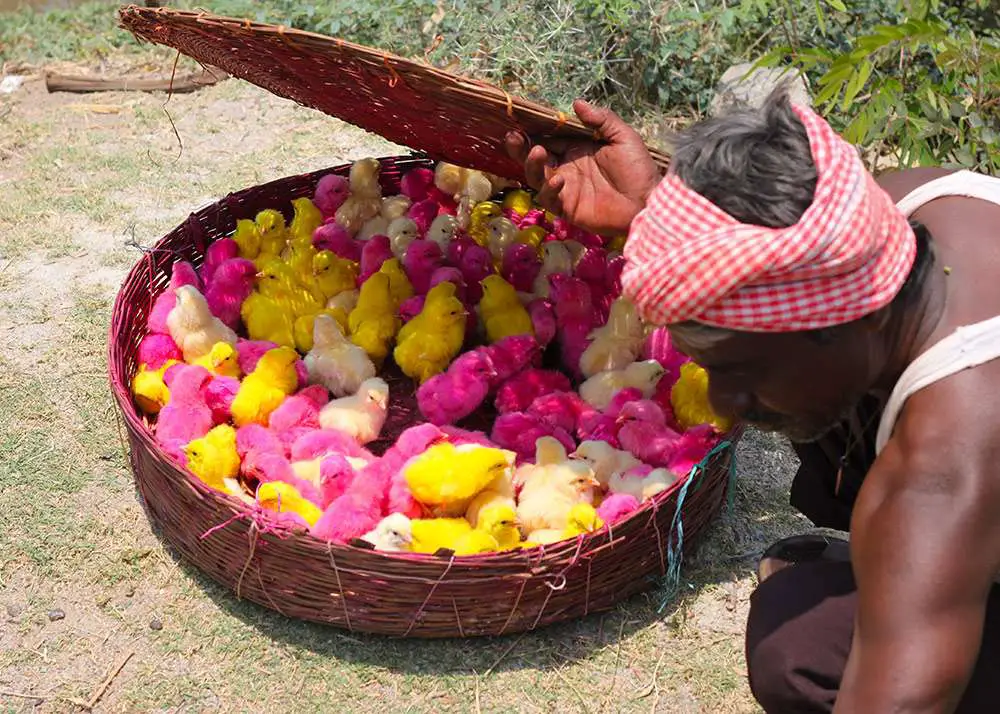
pixel 900 182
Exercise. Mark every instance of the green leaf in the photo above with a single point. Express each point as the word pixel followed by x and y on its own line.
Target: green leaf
pixel 820 17
pixel 856 84
pixel 837 5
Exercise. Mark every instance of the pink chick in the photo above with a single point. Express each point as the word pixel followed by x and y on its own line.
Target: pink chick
pixel 616 506
pixel 334 237
pixel 453 395
pixel 521 266
pixel 182 273
pixel 335 476
pixel 649 441
pixel 249 352
pixel 518 432
pixel 422 258
pixel 457 248
pixel 300 409
pixel 459 436
pixel 692 446
pixel 535 217
pixel 511 355
pixel 266 466
pixel 411 307
pixel 659 347
pixel 255 437
pixel 349 516
pixel 331 192
pixel 217 253
pixel 288 437
pixel 376 250
pixel 446 203
pixel 543 320
pixel 231 285
pixel 423 213
pixel 575 319
pixel 448 274
pixel 560 409
pixel 518 392
pixel 477 264
pixel 401 499
pixel 603 426
pixel 416 183
pixel 155 350
pixel 219 395
pixel 322 442
pixel 186 416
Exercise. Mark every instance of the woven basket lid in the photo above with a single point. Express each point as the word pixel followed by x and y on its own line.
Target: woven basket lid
pixel 448 117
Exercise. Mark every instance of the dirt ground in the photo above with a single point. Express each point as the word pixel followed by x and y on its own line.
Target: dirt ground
pixel 98 613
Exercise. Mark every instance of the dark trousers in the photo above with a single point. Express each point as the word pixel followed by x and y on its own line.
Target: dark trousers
pixel 802 618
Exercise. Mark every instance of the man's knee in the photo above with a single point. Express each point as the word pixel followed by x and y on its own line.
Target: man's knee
pixel 798 637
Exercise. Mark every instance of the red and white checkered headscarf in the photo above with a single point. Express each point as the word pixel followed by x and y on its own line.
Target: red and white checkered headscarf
pixel 848 255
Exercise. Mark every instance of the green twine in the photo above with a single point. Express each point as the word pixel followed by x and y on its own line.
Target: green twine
pixel 675 549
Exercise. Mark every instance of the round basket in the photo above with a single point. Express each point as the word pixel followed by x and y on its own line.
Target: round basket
pixel 364 590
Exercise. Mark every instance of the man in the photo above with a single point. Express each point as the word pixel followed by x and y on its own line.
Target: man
pixel 790 274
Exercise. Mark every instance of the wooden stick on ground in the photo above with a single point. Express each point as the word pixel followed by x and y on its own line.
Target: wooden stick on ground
pixel 181 84
pixel 107 682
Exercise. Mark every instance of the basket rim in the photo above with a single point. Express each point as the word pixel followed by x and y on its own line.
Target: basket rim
pixel 234 510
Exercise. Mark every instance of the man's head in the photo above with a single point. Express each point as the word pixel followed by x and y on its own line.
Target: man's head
pixel 757 166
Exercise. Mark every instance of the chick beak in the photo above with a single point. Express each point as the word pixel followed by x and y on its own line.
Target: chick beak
pixel 593 482
pixel 259 275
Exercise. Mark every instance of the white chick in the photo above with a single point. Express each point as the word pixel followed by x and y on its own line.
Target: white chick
pixel 393 533
pixel 402 232
pixel 364 177
pixel 394 207
pixel 617 344
pixel 576 251
pixel 548 451
pixel 546 499
pixel 598 390
pixel 442 230
pixel 365 200
pixel 346 301
pixel 336 362
pixel 193 327
pixel 556 258
pixel 502 234
pixel 604 459
pixel 360 415
pixel 642 487
pixel 377 226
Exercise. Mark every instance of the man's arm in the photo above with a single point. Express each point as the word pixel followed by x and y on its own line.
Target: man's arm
pixel 925 547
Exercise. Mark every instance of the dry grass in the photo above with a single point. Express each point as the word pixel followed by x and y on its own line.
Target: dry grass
pixel 80 177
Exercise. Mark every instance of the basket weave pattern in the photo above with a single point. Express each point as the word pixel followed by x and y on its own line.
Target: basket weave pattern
pixel 396 594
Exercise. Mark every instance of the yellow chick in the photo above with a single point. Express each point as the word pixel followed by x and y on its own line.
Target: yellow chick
pixel 501 310
pixel 399 285
pixel 266 319
pixel 617 244
pixel 222 360
pixel 518 200
pixel 277 280
pixel 437 296
pixel 282 497
pixel 149 389
pixel 500 522
pixel 479 221
pixel 448 477
pixel 475 542
pixel 582 518
pixel 213 458
pixel 304 327
pixel 299 255
pixel 193 327
pixel 373 323
pixel 428 349
pixel 271 226
pixel 689 399
pixel 333 275
pixel 263 390
pixel 432 534
pixel 247 239
pixel 533 236
pixel 306 220
pixel 487 499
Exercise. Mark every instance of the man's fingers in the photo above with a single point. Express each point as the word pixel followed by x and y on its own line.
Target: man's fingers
pixel 606 122
pixel 535 165
pixel 549 195
pixel 517 145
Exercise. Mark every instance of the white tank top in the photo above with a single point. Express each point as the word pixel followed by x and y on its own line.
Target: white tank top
pixel 969 345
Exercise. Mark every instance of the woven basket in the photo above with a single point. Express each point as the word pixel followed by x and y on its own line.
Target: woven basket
pixel 358 589
pixel 449 118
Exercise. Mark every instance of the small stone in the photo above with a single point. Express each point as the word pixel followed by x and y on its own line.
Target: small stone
pixel 56 615
pixel 13 610
pixel 102 600
pixel 130 591
pixel 155 625
pixel 741 88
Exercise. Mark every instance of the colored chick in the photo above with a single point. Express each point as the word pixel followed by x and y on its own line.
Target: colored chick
pixel 263 390
pixel 689 399
pixel 373 323
pixel 429 342
pixel 502 313
pixel 448 477
pixel 213 457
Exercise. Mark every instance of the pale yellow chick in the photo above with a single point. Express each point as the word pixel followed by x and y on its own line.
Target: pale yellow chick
pixel 689 399
pixel 645 487
pixel 582 519
pixel 598 390
pixel 604 459
pixel 193 327
pixel 213 458
pixel 305 326
pixel 263 390
pixel 617 344
pixel 361 415
pixel 336 362
pixel 501 310
pixel 346 301
pixel 547 497
pixel 394 534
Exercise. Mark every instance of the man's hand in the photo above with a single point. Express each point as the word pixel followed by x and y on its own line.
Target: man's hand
pixel 925 546
pixel 599 187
